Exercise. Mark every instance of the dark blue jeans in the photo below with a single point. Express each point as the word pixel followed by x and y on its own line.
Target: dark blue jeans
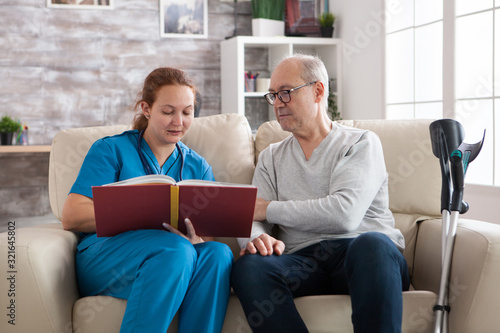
pixel 369 268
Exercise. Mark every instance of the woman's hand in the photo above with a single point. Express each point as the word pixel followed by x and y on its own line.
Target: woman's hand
pixel 191 233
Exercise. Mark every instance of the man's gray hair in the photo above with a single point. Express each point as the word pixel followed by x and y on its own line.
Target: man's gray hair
pixel 313 69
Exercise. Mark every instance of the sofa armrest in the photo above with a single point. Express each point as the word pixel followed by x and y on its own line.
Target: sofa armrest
pixel 40 288
pixel 474 292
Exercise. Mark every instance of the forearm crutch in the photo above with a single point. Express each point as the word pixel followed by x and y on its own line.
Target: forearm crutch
pixel 454 158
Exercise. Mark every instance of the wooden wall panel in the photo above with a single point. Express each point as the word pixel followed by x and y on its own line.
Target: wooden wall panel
pixel 65 68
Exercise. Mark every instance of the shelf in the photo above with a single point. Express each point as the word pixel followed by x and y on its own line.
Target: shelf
pixel 255 94
pixel 25 149
pixel 253 41
pixel 238 55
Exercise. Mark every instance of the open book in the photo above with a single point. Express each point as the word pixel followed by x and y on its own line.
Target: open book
pixel 216 209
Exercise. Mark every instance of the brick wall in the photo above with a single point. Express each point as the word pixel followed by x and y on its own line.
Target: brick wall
pixel 64 68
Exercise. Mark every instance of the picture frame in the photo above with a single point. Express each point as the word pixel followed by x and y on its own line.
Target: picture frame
pixel 183 19
pixel 81 4
pixel 301 17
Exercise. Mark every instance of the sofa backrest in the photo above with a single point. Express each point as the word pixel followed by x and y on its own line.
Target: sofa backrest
pixel 414 173
pixel 224 140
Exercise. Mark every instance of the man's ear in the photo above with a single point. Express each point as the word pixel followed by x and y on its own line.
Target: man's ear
pixel 319 91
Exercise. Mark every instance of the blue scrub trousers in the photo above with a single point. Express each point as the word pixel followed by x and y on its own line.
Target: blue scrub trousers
pixel 369 268
pixel 160 274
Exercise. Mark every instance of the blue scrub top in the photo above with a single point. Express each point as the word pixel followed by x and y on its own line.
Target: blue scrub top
pixel 115 158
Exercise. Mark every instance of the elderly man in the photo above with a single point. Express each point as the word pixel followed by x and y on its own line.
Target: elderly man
pixel 322 219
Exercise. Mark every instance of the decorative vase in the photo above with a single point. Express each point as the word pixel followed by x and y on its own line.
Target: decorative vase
pixel 327 31
pixel 6 138
pixel 267 28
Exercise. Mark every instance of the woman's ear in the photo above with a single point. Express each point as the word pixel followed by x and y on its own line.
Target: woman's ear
pixel 146 111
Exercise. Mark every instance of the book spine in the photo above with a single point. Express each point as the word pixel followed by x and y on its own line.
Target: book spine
pixel 174 206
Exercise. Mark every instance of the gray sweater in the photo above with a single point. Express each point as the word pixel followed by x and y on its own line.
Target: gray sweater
pixel 340 192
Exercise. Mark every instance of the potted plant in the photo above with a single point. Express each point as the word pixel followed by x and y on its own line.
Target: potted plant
pixel 268 17
pixel 8 127
pixel 326 21
pixel 333 110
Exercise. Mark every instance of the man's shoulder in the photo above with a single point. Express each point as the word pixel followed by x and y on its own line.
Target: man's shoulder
pixel 280 146
pixel 275 150
pixel 283 143
pixel 348 130
pixel 349 137
pixel 352 134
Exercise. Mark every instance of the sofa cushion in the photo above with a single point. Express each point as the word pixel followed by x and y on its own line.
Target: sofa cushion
pixel 414 172
pixel 69 148
pixel 224 140
pixel 408 225
pixel 330 313
pixel 43 279
pixel 474 291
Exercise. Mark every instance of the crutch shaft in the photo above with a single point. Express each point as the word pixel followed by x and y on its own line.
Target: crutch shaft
pixel 441 306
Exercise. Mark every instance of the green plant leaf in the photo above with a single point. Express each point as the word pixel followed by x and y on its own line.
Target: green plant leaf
pixel 332 104
pixel 326 19
pixel 9 125
pixel 268 9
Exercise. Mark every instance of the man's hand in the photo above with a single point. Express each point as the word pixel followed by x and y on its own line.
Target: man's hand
pixel 264 245
pixel 191 233
pixel 259 213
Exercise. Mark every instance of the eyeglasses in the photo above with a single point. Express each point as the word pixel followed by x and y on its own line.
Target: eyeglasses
pixel 284 95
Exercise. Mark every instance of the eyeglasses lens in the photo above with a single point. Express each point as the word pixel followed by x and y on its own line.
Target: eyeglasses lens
pixel 283 95
pixel 270 98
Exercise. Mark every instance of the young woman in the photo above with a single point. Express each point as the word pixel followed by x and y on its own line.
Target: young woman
pixel 159 272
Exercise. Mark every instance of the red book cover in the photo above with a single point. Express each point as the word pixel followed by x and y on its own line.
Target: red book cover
pixel 215 209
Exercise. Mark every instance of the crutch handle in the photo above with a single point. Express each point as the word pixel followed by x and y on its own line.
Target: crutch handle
pixel 446 136
pixel 457 177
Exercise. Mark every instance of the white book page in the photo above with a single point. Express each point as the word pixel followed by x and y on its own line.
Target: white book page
pixel 148 179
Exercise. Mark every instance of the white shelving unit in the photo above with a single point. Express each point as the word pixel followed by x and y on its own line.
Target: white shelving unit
pixel 233 52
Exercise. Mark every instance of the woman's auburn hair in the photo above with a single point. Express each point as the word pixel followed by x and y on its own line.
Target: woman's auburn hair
pixel 158 78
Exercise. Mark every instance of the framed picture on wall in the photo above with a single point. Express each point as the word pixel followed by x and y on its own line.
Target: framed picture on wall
pixel 81 4
pixel 184 18
pixel 301 17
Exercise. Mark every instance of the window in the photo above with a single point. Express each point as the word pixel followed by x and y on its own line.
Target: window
pixel 443 61
pixel 414 60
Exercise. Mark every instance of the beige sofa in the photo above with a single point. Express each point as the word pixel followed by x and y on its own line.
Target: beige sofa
pixel 43 276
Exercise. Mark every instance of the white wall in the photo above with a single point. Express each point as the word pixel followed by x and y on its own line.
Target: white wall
pixel 361 27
